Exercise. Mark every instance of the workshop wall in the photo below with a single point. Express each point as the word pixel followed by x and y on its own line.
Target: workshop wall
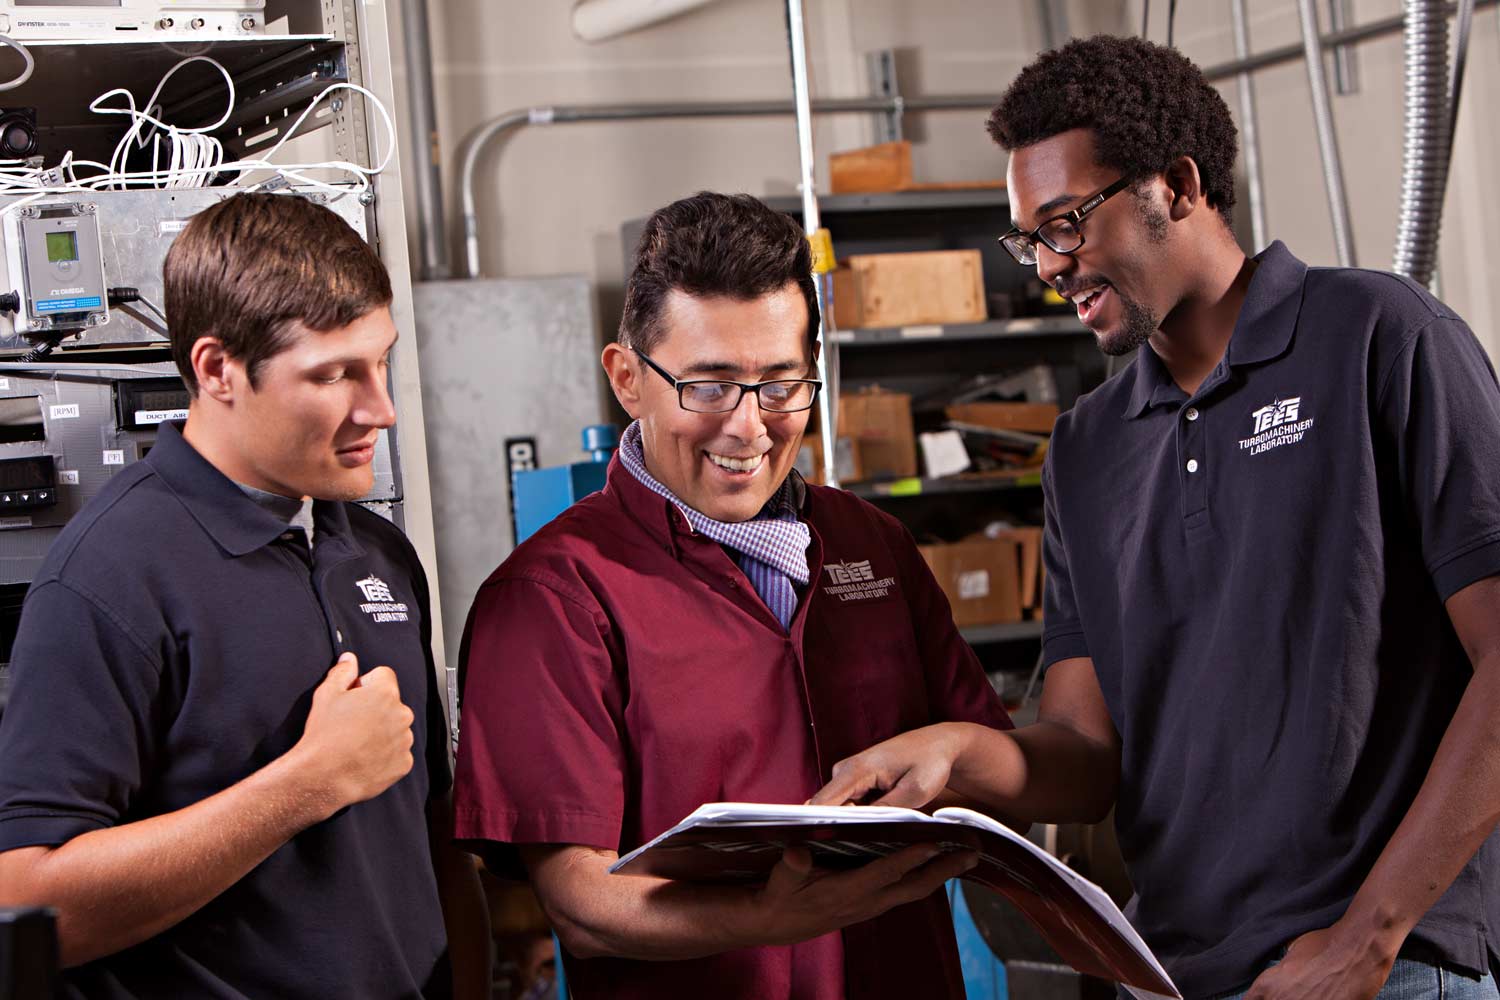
pixel 552 198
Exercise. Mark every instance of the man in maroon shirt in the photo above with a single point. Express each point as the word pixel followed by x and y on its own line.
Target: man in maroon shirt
pixel 710 628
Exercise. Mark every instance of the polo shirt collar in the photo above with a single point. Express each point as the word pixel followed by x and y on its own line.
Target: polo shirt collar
pixel 236 522
pixel 1262 331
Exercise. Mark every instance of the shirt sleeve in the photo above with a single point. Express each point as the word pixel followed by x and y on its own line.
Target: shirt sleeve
pixel 79 731
pixel 957 688
pixel 541 753
pixel 439 775
pixel 1440 406
pixel 1062 627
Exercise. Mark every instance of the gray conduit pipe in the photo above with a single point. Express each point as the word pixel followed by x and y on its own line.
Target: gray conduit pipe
pixel 1424 162
pixel 1328 140
pixel 1250 129
pixel 481 137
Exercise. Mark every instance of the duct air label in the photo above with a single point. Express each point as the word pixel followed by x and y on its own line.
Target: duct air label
pixel 65 411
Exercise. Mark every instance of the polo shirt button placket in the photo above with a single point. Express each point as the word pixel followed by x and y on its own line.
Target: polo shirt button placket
pixel 1194 481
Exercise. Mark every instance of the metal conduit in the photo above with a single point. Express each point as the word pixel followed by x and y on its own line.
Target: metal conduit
pixel 811 222
pixel 1328 140
pixel 1424 162
pixel 481 137
pixel 427 168
pixel 1333 40
pixel 1250 128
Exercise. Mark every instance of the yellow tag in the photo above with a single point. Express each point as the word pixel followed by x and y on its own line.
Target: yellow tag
pixel 821 243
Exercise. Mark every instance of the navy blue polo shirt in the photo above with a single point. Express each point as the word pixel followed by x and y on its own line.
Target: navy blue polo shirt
pixel 1258 573
pixel 170 647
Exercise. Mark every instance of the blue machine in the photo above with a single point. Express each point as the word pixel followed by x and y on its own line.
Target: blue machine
pixel 539 495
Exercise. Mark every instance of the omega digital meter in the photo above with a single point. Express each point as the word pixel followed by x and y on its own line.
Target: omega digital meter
pixel 57 266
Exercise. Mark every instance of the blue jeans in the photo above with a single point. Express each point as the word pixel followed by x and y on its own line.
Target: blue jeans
pixel 1411 979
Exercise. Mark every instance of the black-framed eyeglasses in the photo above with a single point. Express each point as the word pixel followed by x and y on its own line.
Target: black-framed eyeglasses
pixel 1061 233
pixel 781 395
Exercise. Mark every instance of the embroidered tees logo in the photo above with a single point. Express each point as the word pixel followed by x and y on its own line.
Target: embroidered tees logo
pixel 379 603
pixel 1275 424
pixel 855 581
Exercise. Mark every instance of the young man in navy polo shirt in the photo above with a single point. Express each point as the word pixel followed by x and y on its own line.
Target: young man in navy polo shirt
pixel 212 809
pixel 1272 547
pixel 680 638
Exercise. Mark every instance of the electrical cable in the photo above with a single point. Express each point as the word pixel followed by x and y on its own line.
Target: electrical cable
pixel 191 157
pixel 1171 20
pixel 26 55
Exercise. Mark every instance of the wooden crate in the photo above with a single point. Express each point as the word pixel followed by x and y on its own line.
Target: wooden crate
pixel 909 289
pixel 1035 418
pixel 886 167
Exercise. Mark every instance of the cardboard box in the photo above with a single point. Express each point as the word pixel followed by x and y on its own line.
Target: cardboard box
pixel 885 167
pixel 810 459
pixel 1036 418
pixel 979 577
pixel 880 424
pixel 909 289
pixel 1028 542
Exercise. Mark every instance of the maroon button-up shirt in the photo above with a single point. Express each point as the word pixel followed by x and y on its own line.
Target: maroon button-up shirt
pixel 620 671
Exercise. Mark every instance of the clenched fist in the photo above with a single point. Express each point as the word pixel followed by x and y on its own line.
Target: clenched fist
pixel 358 736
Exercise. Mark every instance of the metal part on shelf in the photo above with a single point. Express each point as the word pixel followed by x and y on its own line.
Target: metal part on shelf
pixel 135 230
pixel 880 66
pixel 276 87
pixel 71 74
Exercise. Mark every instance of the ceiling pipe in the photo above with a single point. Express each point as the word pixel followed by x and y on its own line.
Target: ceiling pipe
pixel 601 20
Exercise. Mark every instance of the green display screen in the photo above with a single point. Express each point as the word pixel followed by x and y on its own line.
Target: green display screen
pixel 62 246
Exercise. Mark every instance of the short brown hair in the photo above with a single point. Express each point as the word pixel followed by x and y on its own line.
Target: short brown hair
pixel 250 268
pixel 714 244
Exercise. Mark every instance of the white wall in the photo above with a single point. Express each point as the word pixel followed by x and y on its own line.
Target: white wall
pixel 551 199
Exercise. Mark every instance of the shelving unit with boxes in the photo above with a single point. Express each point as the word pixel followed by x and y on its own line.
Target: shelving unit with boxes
pixel 931 364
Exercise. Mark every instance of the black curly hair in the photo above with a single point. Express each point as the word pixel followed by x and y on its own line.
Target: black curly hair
pixel 1146 104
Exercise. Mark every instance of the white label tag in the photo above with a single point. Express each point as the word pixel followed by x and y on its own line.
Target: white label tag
pixel 4 384
pixel 921 332
pixel 166 226
pixel 114 458
pixel 64 411
pixel 14 522
pixel 67 477
pixel 157 416
pixel 974 584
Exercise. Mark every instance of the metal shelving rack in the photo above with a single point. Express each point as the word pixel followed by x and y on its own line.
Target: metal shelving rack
pixel 276 74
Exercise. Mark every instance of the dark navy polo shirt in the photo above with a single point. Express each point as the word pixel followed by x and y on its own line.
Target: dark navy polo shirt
pixel 168 648
pixel 1258 573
